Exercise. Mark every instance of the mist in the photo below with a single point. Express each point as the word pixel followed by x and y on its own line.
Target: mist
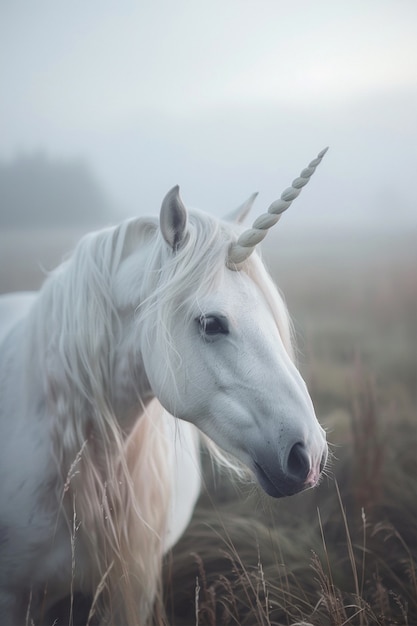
pixel 223 100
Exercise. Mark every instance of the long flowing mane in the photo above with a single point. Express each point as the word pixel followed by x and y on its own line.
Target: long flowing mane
pixel 114 485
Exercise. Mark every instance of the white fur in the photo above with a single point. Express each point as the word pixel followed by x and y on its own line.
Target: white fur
pixel 91 496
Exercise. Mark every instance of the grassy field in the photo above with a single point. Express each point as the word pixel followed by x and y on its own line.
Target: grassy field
pixel 346 552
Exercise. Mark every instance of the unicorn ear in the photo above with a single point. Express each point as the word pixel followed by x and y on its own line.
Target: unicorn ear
pixel 239 214
pixel 173 218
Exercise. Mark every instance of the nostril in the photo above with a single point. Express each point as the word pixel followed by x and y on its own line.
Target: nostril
pixel 298 464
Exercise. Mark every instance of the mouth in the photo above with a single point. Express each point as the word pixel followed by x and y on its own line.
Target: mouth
pixel 280 487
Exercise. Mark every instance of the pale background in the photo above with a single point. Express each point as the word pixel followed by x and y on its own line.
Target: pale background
pixel 223 97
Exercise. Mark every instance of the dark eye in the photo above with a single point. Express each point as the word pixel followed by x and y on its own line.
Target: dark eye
pixel 212 325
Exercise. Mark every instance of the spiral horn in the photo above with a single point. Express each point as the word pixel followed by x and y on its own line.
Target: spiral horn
pixel 249 239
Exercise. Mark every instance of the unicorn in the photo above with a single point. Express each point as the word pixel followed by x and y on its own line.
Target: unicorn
pixel 155 335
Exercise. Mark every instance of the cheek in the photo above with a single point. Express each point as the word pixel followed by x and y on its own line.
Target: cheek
pixel 197 383
pixel 174 373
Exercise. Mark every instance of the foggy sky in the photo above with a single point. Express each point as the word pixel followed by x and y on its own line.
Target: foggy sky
pixel 223 98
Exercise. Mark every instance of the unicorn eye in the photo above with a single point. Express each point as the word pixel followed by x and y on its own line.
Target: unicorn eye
pixel 211 325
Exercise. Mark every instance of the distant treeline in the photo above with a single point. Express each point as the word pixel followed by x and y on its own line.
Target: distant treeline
pixel 39 192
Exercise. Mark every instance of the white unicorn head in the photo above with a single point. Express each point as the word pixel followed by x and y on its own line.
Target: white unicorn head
pixel 216 343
